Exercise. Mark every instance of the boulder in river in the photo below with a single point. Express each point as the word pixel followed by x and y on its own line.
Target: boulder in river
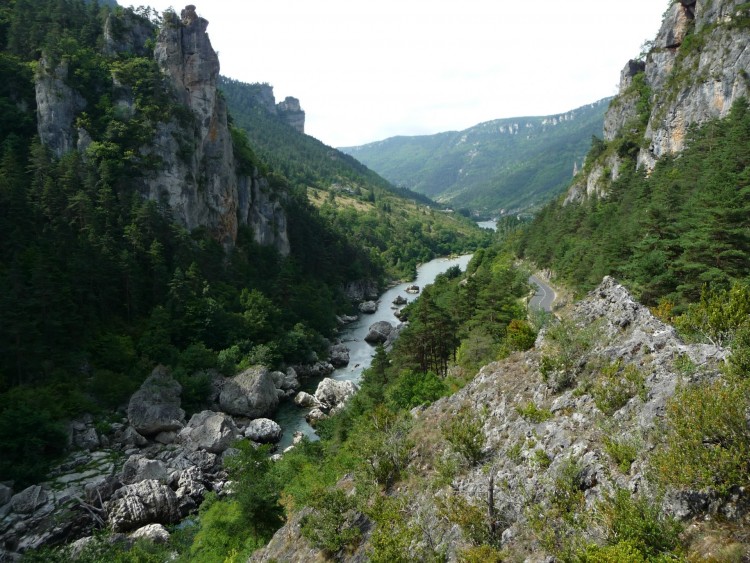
pixel 379 332
pixel 339 355
pixel 368 307
pixel 252 393
pixel 305 400
pixel 332 393
pixel 400 300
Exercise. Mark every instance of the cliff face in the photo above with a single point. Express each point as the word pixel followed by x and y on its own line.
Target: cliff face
pixel 290 111
pixel 198 176
pixel 695 69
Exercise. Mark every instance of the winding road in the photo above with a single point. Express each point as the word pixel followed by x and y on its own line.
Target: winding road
pixel 544 296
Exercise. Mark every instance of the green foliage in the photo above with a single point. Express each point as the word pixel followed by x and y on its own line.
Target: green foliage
pixel 666 235
pixel 330 524
pixel 256 490
pixel 706 444
pixel 413 389
pixel 533 413
pixel 718 315
pixel 464 431
pixel 223 533
pixel 639 523
pixel 380 442
pixel 623 451
pixel 567 345
pixel 32 434
pixel 615 385
pixel 396 537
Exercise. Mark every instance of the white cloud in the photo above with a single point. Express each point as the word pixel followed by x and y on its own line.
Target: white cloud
pixel 366 70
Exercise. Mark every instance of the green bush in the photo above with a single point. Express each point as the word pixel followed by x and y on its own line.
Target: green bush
pixel 565 348
pixel 706 443
pixel 623 451
pixel 616 385
pixel 533 413
pixel 413 389
pixel 640 523
pixel 464 432
pixel 330 525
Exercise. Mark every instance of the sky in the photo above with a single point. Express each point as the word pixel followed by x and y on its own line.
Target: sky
pixel 364 71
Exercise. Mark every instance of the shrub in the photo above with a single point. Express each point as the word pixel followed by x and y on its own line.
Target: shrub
pixel 622 451
pixel 464 432
pixel 330 524
pixel 706 443
pixel 520 335
pixel 718 315
pixel 616 385
pixel 412 389
pixel 640 523
pixel 533 413
pixel 565 348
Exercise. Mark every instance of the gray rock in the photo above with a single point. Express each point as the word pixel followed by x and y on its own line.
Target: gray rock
pixel 378 332
pixel 286 381
pixel 130 436
pixel 263 430
pixel 315 415
pixel 210 431
pixel 155 407
pixel 29 500
pixel 305 400
pixel 166 438
pixel 139 468
pixel 368 307
pixel 316 370
pixel 361 290
pixel 251 393
pixel 155 533
pixel 290 111
pixel 400 300
pixel 339 355
pixel 333 393
pixel 57 106
pixel 5 494
pixel 146 502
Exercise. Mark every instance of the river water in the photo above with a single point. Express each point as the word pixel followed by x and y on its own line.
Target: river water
pixel 291 417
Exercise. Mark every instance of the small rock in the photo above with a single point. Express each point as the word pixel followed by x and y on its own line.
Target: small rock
pixel 305 400
pixel 368 307
pixel 155 533
pixel 28 500
pixel 139 468
pixel 6 493
pixel 263 430
pixel 339 355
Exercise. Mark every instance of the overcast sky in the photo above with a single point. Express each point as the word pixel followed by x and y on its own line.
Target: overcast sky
pixel 366 70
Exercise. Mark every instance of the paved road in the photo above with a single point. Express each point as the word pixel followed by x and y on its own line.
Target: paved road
pixel 543 297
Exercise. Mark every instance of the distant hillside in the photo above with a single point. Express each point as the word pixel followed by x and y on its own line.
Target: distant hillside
pixel 507 164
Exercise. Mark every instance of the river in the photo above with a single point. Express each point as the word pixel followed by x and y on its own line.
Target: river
pixel 291 417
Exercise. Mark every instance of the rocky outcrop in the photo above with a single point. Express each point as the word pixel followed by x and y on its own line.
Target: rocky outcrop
pixel 126 32
pixel 525 458
pixel 290 111
pixel 57 107
pixel 143 503
pixel 252 393
pixel 695 70
pixel 155 407
pixel 361 290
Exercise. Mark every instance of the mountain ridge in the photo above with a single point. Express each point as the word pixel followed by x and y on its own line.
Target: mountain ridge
pixel 495 167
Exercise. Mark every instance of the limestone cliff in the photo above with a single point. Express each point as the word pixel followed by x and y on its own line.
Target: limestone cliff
pixel 693 71
pixel 197 176
pixel 290 111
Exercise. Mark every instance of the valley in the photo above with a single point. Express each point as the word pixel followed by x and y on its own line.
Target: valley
pixel 224 340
